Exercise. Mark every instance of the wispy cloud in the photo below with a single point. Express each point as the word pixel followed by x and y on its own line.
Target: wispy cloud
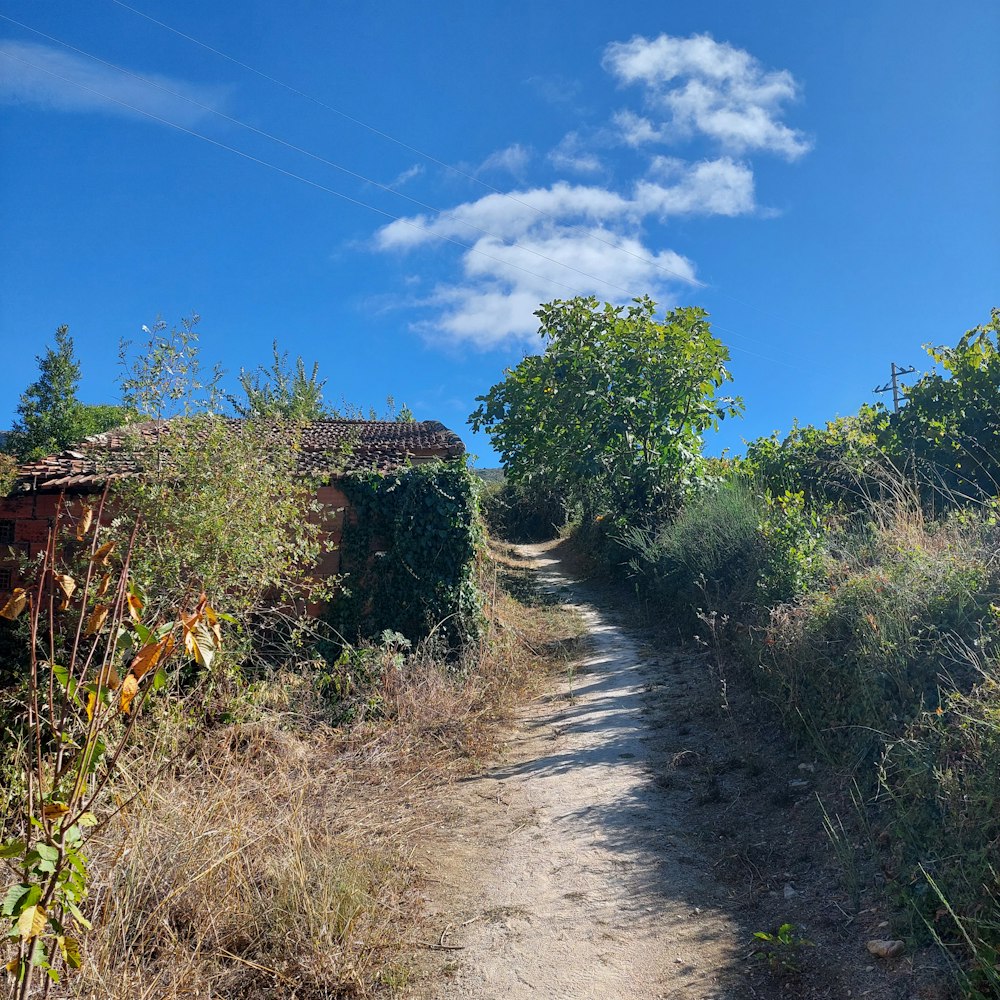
pixel 707 87
pixel 44 77
pixel 406 176
pixel 555 89
pixel 512 160
pixel 572 156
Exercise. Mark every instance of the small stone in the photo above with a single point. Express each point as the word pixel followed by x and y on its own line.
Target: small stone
pixel 881 948
pixel 790 892
pixel 811 768
pixel 798 783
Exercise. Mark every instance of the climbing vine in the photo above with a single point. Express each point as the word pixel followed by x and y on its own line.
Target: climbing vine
pixel 407 553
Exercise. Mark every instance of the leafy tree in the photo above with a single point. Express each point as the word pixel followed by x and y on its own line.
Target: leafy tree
pixel 950 426
pixel 165 377
pixel 49 416
pixel 614 410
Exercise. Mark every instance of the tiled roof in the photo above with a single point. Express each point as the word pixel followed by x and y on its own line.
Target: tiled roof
pixel 325 448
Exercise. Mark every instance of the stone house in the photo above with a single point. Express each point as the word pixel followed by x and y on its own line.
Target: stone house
pixel 327 450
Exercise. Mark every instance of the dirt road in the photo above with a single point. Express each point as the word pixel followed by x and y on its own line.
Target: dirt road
pixel 584 887
pixel 631 843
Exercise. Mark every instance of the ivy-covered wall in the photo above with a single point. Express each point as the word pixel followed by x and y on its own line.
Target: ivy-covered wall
pixel 407 550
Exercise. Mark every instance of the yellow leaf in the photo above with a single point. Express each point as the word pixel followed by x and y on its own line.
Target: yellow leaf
pixel 13 966
pixel 135 607
pixel 53 810
pixel 101 556
pixel 91 705
pixel 69 948
pixel 104 585
pixel 129 689
pixel 149 656
pixel 213 622
pixel 65 583
pixel 199 643
pixel 83 525
pixel 16 603
pixel 108 677
pixel 97 619
pixel 31 922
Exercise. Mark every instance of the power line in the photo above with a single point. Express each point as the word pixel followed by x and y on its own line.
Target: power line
pixel 399 142
pixel 290 173
pixel 319 102
pixel 354 201
pixel 316 156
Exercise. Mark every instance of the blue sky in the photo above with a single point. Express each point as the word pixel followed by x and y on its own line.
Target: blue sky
pixel 416 179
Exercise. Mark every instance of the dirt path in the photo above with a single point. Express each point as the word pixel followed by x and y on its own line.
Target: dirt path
pixel 586 889
pixel 627 848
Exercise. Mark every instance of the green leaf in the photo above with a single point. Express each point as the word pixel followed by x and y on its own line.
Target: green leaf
pixel 13 849
pixel 18 896
pixel 47 852
pixel 77 915
pixel 61 674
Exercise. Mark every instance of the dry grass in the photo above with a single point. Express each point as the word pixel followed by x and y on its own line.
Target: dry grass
pixel 272 856
pixel 246 872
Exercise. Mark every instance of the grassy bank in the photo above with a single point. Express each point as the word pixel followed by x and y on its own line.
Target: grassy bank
pixel 875 633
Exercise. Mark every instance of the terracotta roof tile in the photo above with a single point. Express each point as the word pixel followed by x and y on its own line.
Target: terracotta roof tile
pixel 326 447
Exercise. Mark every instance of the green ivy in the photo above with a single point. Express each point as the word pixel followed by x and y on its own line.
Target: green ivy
pixel 407 552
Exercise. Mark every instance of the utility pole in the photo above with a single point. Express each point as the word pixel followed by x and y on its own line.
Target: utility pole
pixel 893 384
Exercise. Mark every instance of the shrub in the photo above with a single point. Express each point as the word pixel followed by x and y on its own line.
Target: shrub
pixel 713 550
pixel 522 512
pixel 794 549
pixel 859 658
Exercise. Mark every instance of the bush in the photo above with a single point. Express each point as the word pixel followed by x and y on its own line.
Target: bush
pixel 860 657
pixel 712 552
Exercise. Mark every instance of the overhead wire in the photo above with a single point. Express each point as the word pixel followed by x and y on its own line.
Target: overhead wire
pixel 319 102
pixel 388 137
pixel 287 173
pixel 355 201
pixel 208 109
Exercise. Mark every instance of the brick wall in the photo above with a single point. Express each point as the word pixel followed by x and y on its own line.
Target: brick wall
pixel 32 514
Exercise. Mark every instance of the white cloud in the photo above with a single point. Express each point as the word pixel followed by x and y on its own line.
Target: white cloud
pixel 563 240
pixel 505 283
pixel 712 187
pixel 40 76
pixel 573 156
pixel 707 87
pixel 637 130
pixel 511 160
pixel 536 242
pixel 406 175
